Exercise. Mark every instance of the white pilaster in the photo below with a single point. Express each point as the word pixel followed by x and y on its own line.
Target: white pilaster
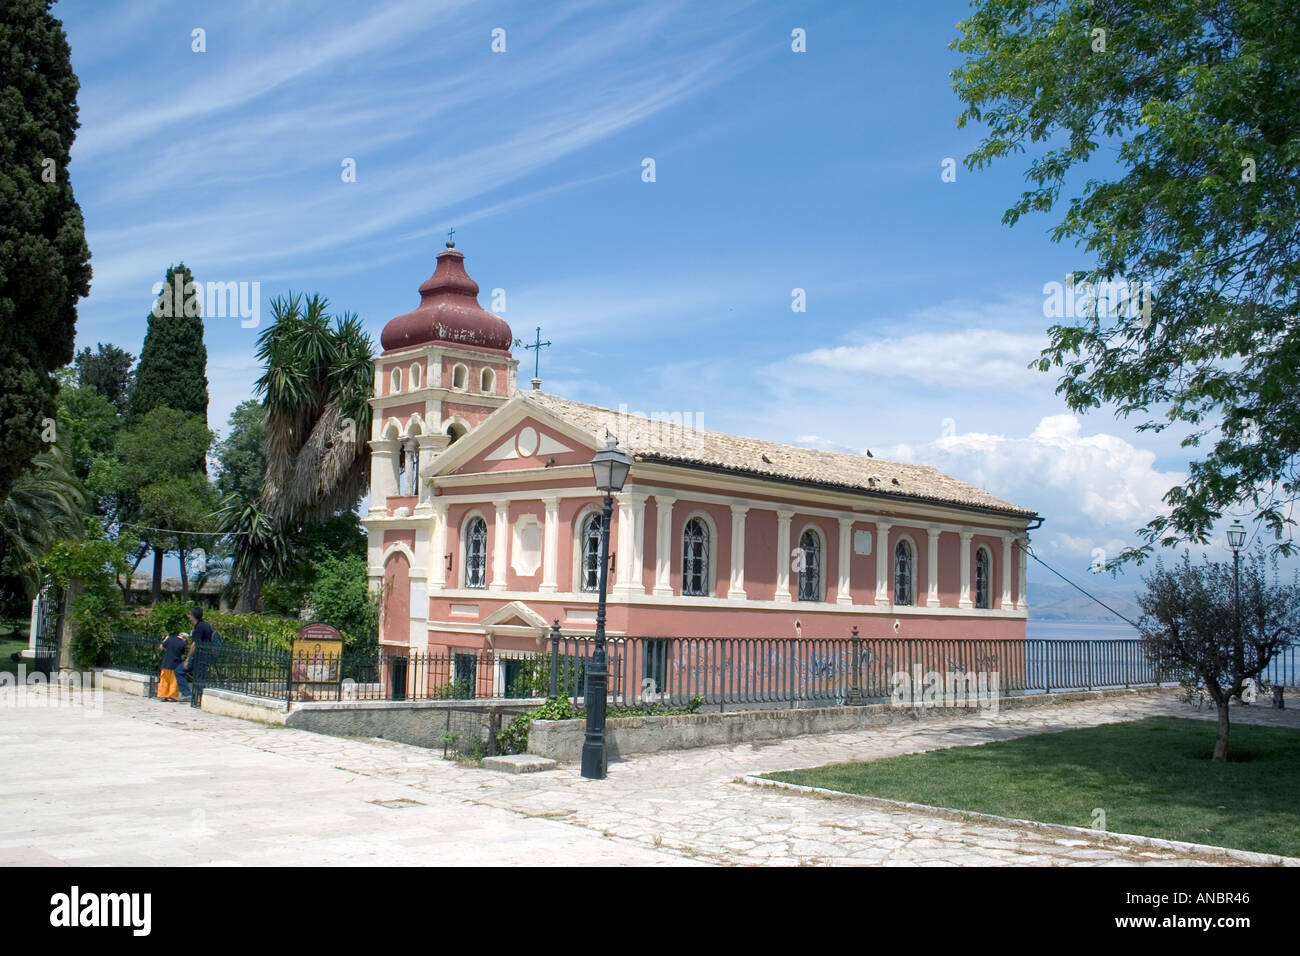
pixel 500 542
pixel 964 600
pixel 383 473
pixel 736 591
pixel 1006 572
pixel 438 550
pixel 550 544
pixel 932 568
pixel 884 594
pixel 842 593
pixel 783 557
pixel 663 544
pixel 1022 598
pixel 631 545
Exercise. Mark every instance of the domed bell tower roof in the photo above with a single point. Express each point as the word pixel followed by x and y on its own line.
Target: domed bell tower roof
pixel 449 313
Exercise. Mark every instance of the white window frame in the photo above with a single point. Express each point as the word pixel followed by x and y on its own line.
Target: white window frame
pixel 465 524
pixel 907 539
pixel 710 555
pixel 988 577
pixel 820 583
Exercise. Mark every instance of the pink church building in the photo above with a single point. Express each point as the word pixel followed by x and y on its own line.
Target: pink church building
pixel 483 522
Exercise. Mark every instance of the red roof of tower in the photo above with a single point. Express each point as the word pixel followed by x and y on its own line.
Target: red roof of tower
pixel 448 312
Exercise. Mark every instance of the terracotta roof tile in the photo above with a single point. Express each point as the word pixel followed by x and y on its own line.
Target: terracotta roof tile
pixel 649 439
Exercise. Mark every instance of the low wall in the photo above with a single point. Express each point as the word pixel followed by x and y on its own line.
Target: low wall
pixel 229 703
pixel 419 722
pixel 561 740
pixel 127 682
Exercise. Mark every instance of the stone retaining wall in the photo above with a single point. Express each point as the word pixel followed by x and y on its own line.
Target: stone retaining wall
pixel 127 682
pixel 561 740
pixel 422 723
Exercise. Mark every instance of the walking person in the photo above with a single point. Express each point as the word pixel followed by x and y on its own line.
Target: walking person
pixel 173 648
pixel 184 667
pixel 203 637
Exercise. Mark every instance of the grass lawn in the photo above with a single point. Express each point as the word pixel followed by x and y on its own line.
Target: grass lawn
pixel 1152 777
pixel 8 645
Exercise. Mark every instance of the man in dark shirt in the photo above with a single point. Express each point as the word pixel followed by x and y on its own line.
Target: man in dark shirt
pixel 201 637
pixel 202 630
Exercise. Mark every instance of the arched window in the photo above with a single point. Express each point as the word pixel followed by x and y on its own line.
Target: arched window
pixel 455 432
pixel 415 376
pixel 589 557
pixel 904 574
pixel 476 554
pixel 487 380
pixel 695 558
pixel 810 566
pixel 460 377
pixel 983 578
pixel 409 475
pixel 395 381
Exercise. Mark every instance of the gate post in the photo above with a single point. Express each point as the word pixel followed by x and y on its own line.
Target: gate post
pixel 855 691
pixel 555 658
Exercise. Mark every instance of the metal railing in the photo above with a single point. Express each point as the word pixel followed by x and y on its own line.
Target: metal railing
pixel 389 674
pixel 262 671
pixel 755 671
pixel 672 671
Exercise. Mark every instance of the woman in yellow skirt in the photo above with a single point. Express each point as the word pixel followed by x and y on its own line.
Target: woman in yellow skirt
pixel 173 649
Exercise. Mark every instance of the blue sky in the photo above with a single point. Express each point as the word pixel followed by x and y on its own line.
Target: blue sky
pixel 774 170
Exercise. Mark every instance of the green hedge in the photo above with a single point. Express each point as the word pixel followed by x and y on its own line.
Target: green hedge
pixel 173 615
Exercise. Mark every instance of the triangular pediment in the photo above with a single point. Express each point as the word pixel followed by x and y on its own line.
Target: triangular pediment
pixel 519 435
pixel 517 614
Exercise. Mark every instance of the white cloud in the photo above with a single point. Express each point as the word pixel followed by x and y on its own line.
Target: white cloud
pixel 1097 489
pixel 974 357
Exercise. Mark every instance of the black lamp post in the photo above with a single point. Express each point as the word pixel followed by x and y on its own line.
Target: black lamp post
pixel 1237 538
pixel 610 467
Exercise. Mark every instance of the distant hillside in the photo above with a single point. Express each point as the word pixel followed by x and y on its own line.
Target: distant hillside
pixel 1060 602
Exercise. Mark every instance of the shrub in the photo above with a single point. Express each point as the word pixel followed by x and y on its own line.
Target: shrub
pixel 341 596
pixel 94 563
pixel 513 739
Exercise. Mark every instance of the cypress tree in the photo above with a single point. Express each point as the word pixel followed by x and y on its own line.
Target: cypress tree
pixel 44 259
pixel 173 361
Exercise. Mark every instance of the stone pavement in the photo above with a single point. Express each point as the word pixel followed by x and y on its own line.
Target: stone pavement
pixel 149 782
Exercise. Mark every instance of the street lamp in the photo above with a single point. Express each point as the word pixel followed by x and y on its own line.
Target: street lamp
pixel 610 468
pixel 1237 538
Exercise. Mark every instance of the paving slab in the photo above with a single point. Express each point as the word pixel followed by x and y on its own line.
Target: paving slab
pixel 145 783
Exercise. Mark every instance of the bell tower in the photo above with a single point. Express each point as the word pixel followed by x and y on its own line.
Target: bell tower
pixel 445 366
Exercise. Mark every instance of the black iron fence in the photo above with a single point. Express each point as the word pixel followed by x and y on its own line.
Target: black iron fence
pixel 669 671
pixel 391 674
pixel 259 670
pixel 757 671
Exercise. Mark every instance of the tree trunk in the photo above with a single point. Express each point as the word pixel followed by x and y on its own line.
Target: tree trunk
pixel 68 633
pixel 250 592
pixel 157 575
pixel 185 575
pixel 1221 745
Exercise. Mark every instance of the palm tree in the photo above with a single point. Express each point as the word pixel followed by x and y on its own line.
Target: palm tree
pixel 316 388
pixel 45 505
pixel 260 549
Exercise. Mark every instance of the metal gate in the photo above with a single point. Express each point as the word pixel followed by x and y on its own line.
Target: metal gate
pixel 47 621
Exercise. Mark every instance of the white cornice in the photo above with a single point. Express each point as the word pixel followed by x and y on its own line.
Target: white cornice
pixel 735 605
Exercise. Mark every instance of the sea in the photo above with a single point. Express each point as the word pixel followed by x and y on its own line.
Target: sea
pixel 1284 669
pixel 1078 630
